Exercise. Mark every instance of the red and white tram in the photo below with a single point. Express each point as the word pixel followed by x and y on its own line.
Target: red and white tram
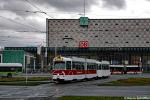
pixel 117 69
pixel 123 69
pixel 74 68
pixel 134 69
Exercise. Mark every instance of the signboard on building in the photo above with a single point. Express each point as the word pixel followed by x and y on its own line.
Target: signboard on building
pixel 83 44
pixel 13 56
pixel 84 21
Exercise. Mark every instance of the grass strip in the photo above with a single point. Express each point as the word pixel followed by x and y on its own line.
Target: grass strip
pixel 16 79
pixel 89 98
pixel 128 82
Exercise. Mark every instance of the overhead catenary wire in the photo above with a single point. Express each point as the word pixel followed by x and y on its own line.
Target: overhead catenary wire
pixel 74 13
pixel 37 11
pixel 38 8
pixel 24 11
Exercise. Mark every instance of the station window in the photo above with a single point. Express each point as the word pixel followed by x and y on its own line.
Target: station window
pixel 137 23
pixel 147 29
pixel 147 42
pixel 66 42
pixel 137 35
pixel 116 36
pixel 126 42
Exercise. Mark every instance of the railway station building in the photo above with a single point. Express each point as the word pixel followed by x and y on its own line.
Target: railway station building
pixel 120 41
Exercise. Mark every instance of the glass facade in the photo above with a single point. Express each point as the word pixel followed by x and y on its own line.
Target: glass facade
pixel 117 56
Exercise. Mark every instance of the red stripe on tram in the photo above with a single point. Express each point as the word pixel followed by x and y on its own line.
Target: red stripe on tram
pixel 73 72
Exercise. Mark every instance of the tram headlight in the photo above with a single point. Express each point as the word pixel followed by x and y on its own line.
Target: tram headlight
pixel 58 75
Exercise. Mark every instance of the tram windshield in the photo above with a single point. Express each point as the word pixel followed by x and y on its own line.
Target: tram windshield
pixel 59 66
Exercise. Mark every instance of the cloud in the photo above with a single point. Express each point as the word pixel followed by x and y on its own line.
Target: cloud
pixel 68 5
pixel 16 6
pixel 21 24
pixel 119 4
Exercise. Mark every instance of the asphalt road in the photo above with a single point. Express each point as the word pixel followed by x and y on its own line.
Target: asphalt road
pixel 87 88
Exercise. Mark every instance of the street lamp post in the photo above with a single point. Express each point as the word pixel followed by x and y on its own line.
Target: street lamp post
pixel 56 47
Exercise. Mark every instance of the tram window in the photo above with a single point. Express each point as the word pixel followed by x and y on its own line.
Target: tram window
pixel 59 65
pixel 133 68
pixel 94 66
pixel 99 67
pixel 77 65
pixel 91 66
pixel 105 66
pixel 88 66
pixel 73 65
pixel 108 67
pixel 102 66
pixel 81 65
pixel 68 65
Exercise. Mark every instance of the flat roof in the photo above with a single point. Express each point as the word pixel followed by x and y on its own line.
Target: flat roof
pixel 108 19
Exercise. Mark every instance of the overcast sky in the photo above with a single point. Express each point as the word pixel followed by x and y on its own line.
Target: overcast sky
pixel 23 22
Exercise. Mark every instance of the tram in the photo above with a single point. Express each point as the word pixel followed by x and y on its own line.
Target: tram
pixel 117 69
pixel 134 69
pixel 125 69
pixel 74 68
